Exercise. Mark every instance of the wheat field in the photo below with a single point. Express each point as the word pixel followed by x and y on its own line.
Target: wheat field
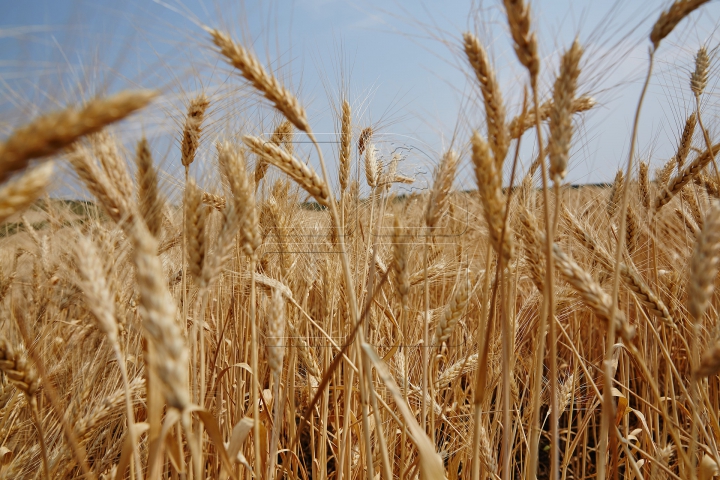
pixel 306 319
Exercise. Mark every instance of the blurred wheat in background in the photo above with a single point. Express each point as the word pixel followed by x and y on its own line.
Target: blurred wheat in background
pixel 302 317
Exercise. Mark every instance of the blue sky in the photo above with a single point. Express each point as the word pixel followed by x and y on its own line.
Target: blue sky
pixel 399 62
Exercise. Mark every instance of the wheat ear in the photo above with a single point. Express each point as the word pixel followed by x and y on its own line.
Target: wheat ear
pixel 686 140
pixel 117 206
pixel 304 351
pixel 100 301
pixel 24 376
pixel 276 332
pixel 195 214
pixel 365 136
pixel 628 274
pixel 631 230
pixel 615 193
pixel 591 292
pixel 676 184
pixel 522 123
pixel 442 184
pixel 345 145
pixel 451 314
pixel 20 192
pixel 52 132
pixel 18 369
pixel 148 192
pixel 526 49
pixel 215 201
pixel 372 169
pixel 157 308
pixel 663 174
pixel 276 353
pixel 105 148
pixel 671 17
pixel 458 368
pixel 704 268
pixel 533 253
pixel 710 362
pixel 282 136
pixel 644 185
pixel 240 214
pixel 582 282
pixel 93 281
pixel 489 184
pixel 704 264
pixel 710 185
pixel 400 261
pixel 298 171
pixel 561 128
pixel 688 196
pixel 253 71
pixel 498 134
pixel 699 78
